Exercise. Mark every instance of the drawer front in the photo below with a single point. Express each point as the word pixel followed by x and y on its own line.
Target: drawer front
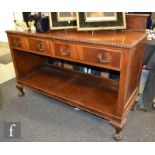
pixel 101 57
pixel 94 56
pixel 69 51
pixel 18 42
pixel 63 50
pixel 39 46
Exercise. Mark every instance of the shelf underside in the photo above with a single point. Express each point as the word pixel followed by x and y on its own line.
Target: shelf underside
pixel 90 93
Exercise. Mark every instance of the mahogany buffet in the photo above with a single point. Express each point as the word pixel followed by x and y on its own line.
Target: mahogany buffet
pixel 120 51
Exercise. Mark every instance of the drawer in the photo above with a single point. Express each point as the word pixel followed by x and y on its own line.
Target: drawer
pixel 63 50
pixel 39 46
pixel 102 57
pixel 69 51
pixel 18 42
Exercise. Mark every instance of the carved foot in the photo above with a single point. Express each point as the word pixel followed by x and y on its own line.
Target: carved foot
pixel 118 127
pixel 20 90
pixel 134 107
pixel 118 136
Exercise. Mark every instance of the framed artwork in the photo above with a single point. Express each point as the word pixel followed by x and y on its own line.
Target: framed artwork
pixel 100 16
pixel 62 20
pixel 100 20
pixel 66 16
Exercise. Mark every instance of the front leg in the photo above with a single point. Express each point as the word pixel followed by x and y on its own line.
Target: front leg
pixel 20 90
pixel 118 127
pixel 133 108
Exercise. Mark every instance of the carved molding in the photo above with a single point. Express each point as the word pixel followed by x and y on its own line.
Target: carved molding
pixel 91 42
pixel 51 36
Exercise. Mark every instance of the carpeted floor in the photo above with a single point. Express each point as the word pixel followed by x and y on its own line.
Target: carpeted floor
pixel 45 119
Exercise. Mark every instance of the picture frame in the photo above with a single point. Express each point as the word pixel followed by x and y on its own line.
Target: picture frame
pixel 62 20
pixel 89 21
pixel 66 16
pixel 98 16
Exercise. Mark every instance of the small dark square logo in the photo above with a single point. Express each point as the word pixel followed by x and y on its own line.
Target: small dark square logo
pixel 12 130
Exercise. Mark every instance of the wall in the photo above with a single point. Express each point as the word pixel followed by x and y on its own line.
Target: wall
pixel 7 23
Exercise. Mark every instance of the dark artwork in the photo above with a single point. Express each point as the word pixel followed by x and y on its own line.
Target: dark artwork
pixel 84 24
pixel 41 22
pixel 27 16
pixel 56 23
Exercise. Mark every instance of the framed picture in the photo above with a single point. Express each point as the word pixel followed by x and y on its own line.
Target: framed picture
pixel 62 20
pixel 100 20
pixel 100 16
pixel 66 16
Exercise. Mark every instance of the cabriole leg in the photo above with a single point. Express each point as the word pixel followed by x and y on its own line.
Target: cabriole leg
pixel 118 136
pixel 134 107
pixel 118 127
pixel 20 90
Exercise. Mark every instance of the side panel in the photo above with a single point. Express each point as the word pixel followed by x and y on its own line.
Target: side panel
pixel 131 65
pixel 134 71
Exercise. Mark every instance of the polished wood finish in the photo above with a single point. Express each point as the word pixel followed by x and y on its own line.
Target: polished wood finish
pixel 20 89
pixel 136 21
pixel 103 57
pixel 121 51
pixel 77 89
pixel 18 42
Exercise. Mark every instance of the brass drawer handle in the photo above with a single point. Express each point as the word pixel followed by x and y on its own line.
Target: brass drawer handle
pixel 104 60
pixel 16 43
pixel 40 47
pixel 65 53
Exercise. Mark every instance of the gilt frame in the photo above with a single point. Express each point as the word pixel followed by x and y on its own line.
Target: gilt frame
pixel 84 25
pixel 56 24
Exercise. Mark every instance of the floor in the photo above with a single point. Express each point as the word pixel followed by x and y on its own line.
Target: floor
pixel 6 66
pixel 45 119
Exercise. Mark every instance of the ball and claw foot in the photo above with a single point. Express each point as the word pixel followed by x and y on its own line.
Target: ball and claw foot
pixel 21 93
pixel 118 136
pixel 118 128
pixel 20 90
pixel 134 107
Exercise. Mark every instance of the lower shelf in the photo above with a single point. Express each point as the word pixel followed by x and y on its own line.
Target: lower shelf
pixel 92 94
